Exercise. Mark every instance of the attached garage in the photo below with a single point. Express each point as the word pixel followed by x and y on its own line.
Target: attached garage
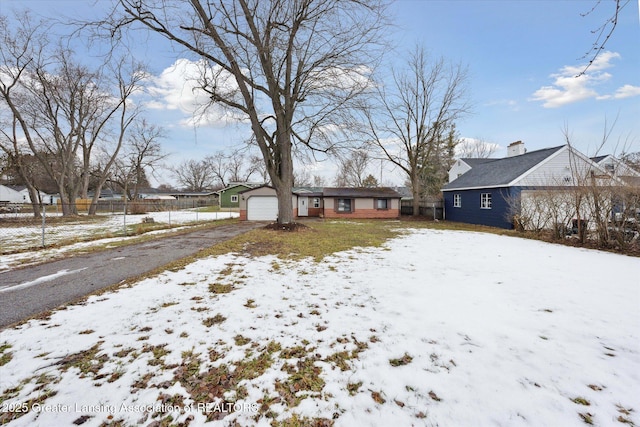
pixel 262 208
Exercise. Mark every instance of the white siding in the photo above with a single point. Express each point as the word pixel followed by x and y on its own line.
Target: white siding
pixel 10 195
pixel 458 168
pixel 562 169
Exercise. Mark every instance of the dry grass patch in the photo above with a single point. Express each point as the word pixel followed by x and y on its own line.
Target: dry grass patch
pixel 220 288
pixel 317 240
pixel 304 381
pixel 404 360
pixel 88 362
pixel 210 321
pixel 214 383
pixel 5 356
pixel 297 421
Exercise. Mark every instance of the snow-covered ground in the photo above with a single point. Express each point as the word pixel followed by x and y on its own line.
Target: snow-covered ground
pixel 437 328
pixel 20 238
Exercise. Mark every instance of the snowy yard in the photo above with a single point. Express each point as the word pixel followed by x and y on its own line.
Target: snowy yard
pixel 94 233
pixel 437 328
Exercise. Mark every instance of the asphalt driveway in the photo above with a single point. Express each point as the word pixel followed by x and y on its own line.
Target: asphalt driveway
pixel 33 290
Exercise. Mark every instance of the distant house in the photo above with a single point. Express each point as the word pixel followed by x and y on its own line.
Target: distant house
pixel 155 194
pixel 619 169
pixel 20 194
pixel 261 203
pixel 10 195
pixel 229 196
pixel 493 192
pixel 191 195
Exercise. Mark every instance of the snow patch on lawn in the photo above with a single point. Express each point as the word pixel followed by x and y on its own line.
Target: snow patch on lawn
pixel 435 328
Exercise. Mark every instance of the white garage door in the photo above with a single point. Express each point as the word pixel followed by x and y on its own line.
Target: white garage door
pixel 262 208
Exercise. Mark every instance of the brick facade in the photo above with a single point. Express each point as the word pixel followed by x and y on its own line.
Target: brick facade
pixel 315 212
pixel 364 213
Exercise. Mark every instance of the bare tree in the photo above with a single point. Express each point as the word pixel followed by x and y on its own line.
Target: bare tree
pixel 301 178
pixel 17 50
pixel 415 129
pixel 218 165
pixel 632 160
pixel 194 175
pixel 233 167
pixel 291 68
pixel 72 110
pixel 476 148
pixel 319 181
pixel 352 170
pixel 142 153
pixel 63 110
pixel 240 167
pixel 604 32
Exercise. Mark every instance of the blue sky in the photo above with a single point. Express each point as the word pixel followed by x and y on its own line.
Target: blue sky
pixel 520 53
pixel 522 58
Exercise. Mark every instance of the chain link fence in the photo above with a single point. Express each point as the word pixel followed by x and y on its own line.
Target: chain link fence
pixel 21 231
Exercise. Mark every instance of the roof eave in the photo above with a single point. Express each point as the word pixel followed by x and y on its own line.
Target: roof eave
pixel 481 187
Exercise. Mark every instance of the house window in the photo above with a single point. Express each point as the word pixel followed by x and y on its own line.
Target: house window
pixel 382 203
pixel 457 201
pixel 316 202
pixel 485 201
pixel 234 198
pixel 344 205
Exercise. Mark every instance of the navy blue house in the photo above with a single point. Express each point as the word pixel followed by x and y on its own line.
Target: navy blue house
pixel 489 192
pixel 490 206
pixel 493 191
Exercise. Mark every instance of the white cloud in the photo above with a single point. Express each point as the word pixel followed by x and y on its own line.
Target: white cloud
pixel 570 86
pixel 177 88
pixel 627 91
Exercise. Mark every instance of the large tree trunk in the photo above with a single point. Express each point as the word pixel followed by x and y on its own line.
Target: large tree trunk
pixel 36 203
pixel 94 201
pixel 415 191
pixel 285 205
pixel 282 179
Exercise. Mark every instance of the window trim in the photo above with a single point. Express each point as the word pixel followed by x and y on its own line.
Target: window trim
pixel 337 205
pixel 457 200
pixel 236 198
pixel 485 201
pixel 377 200
pixel 316 202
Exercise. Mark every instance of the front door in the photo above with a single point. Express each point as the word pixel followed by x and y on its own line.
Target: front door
pixel 303 206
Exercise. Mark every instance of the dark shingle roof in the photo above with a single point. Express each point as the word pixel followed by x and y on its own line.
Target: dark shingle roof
pixel 474 161
pixel 598 159
pixel 360 192
pixel 500 172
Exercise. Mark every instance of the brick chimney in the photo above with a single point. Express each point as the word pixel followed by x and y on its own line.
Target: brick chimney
pixel 516 149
